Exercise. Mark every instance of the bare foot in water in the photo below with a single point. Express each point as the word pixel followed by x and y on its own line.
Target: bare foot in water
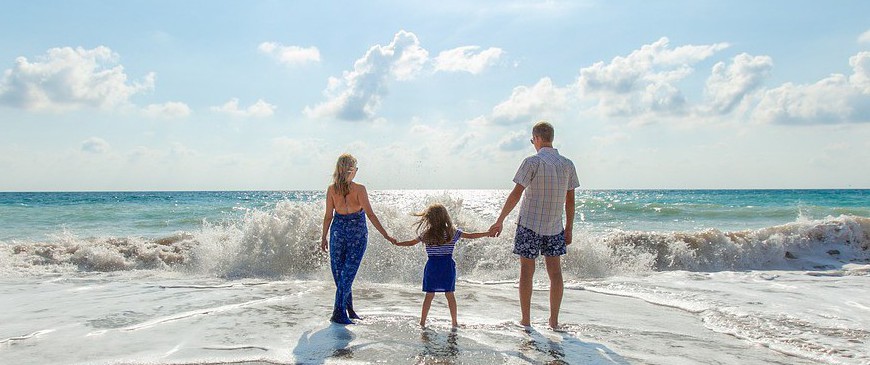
pixel 525 323
pixel 554 324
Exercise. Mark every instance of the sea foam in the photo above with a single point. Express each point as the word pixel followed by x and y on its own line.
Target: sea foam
pixel 283 241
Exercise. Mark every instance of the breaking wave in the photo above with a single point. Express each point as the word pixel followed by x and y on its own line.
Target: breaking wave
pixel 284 242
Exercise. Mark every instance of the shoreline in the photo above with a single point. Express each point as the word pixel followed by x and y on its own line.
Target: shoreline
pixel 287 322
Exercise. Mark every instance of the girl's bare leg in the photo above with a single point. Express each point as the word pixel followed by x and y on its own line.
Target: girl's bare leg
pixel 427 302
pixel 451 303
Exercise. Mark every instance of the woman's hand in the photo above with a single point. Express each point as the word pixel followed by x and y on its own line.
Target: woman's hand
pixel 324 246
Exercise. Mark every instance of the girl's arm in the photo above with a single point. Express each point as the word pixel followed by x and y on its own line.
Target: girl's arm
pixel 474 235
pixel 408 242
pixel 327 219
pixel 364 200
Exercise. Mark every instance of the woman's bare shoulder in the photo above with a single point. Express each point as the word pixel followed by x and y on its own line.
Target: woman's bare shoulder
pixel 357 187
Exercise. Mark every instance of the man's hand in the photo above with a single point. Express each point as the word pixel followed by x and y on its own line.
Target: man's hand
pixel 324 246
pixel 568 237
pixel 495 229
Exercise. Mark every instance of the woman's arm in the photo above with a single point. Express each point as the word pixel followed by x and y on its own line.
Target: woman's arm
pixel 327 219
pixel 367 206
pixel 408 243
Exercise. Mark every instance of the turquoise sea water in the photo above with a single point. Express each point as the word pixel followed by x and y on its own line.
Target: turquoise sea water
pixel 36 216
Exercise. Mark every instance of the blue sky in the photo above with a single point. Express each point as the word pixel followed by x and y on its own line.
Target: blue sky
pixel 219 95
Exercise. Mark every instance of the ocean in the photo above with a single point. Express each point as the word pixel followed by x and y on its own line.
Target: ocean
pixel 652 277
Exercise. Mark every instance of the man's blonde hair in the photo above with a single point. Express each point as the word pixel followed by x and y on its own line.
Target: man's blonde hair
pixel 544 131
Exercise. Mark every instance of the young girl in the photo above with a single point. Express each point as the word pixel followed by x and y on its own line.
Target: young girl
pixel 437 233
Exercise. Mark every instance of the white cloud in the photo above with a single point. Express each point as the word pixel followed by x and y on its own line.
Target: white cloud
pixel 864 37
pixel 290 55
pixel 527 104
pixel 834 99
pixel 178 150
pixel 171 109
pixel 67 78
pixel 514 141
pixel 422 129
pixel 95 145
pixel 302 151
pixel 145 155
pixel 610 139
pixel 643 82
pixel 729 84
pixel 478 121
pixel 358 93
pixel 260 109
pixel 467 59
pixel 295 145
pixel 464 141
pixel 861 76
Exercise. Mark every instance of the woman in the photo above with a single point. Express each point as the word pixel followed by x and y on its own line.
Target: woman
pixel 347 205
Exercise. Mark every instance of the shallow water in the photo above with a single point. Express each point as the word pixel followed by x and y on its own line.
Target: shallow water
pixel 110 318
pixel 653 277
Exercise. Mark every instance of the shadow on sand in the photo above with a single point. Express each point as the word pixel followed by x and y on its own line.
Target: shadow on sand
pixel 330 342
pixel 538 348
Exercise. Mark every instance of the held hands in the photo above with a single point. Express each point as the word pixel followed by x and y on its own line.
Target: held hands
pixel 391 239
pixel 495 229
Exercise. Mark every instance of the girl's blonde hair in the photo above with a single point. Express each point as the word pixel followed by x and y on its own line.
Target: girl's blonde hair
pixel 434 226
pixel 343 168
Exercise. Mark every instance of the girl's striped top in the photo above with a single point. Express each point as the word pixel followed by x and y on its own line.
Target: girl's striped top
pixel 445 249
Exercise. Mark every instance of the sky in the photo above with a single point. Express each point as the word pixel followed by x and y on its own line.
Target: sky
pixel 265 95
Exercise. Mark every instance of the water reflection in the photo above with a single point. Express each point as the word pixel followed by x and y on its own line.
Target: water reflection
pixel 438 348
pixel 536 343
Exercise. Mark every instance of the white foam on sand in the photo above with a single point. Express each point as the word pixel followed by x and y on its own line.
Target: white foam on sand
pixel 111 318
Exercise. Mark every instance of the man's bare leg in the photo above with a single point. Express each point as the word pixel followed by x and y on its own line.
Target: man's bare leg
pixel 554 271
pixel 527 273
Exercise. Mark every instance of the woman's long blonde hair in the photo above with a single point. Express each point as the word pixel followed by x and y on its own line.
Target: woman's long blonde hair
pixel 434 226
pixel 343 168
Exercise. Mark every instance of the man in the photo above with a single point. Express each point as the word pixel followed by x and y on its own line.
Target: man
pixel 548 180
